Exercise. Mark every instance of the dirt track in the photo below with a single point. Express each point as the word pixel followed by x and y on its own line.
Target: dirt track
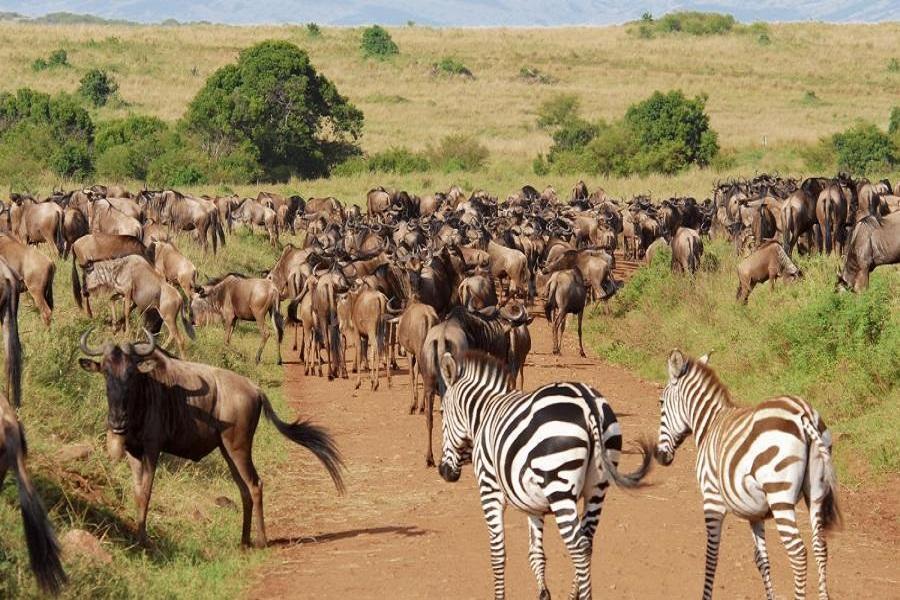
pixel 403 533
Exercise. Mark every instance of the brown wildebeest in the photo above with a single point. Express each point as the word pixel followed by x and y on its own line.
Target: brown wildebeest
pixel 9 319
pixel 153 232
pixel 302 317
pixel 251 213
pixel 566 294
pixel 142 287
pixel 328 286
pixel 203 313
pixel 238 297
pixel 519 348
pixel 831 214
pixel 595 267
pixel 95 247
pixel 43 550
pixel 75 226
pixel 478 291
pixel 378 200
pixel 875 241
pixel 124 206
pixel 798 213
pixel 158 404
pixel 35 270
pixel 35 222
pixel 415 322
pixel 226 206
pixel 110 220
pixel 368 312
pixel 687 249
pixel 184 213
pixel 511 264
pixel 766 263
pixel 175 266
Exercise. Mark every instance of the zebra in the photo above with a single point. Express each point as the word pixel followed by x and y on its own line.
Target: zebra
pixel 539 452
pixel 753 462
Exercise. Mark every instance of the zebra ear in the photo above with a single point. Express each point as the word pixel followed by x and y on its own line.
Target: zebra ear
pixel 448 369
pixel 704 359
pixel 677 364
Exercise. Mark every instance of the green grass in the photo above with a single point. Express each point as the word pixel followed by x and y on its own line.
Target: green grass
pixel 841 351
pixel 195 543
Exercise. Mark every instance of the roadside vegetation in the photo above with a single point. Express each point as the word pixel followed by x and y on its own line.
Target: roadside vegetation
pixel 841 351
pixel 195 518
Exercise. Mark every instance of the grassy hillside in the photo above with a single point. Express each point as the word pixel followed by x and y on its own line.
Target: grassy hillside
pixel 840 351
pixel 809 80
pixel 195 543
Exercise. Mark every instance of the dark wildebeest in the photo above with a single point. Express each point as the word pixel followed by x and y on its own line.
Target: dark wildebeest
pixel 35 222
pixel 35 270
pixel 415 322
pixel 158 404
pixel 687 249
pixel 75 226
pixel 43 551
pixel 9 319
pixel 768 262
pixel 798 213
pixel 566 294
pixel 142 287
pixel 96 247
pixel 368 312
pixel 238 297
pixel 183 213
pixel 831 215
pixel 875 241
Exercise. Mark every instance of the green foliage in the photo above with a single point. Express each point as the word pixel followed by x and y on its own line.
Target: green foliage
pixel 840 351
pixel 97 86
pixel 864 149
pixel 376 42
pixel 57 58
pixel 677 122
pixel 458 152
pixel 763 39
pixel 72 160
pixel 451 66
pixel 274 99
pixel 893 66
pixel 397 160
pixel 313 30
pixel 894 122
pixel 819 157
pixel 695 23
pixel 555 111
pixel 535 75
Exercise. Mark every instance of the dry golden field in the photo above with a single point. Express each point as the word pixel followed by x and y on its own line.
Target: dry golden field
pixel 757 93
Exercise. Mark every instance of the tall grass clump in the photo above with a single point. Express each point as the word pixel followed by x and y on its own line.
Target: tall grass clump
pixel 57 58
pixel 841 351
pixel 458 152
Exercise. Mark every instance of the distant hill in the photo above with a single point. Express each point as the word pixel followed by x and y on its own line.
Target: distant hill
pixel 442 12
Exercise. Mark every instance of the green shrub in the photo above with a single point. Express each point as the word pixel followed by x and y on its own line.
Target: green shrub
pixel 399 161
pixel 58 58
pixel 458 152
pixel 72 160
pixel 763 39
pixel 894 122
pixel 695 23
pixel 864 149
pixel 355 165
pixel 555 111
pixel 97 86
pixel 377 43
pixel 574 134
pixel 893 66
pixel 274 99
pixel 313 30
pixel 810 98
pixel 451 66
pixel 819 157
pixel 676 122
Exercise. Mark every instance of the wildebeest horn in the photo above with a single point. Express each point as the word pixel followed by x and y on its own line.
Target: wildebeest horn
pixel 151 341
pixel 87 350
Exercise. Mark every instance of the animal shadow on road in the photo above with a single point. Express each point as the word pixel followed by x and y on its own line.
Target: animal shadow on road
pixel 403 530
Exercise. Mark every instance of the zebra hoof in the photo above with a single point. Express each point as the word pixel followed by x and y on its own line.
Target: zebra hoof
pixel 545 595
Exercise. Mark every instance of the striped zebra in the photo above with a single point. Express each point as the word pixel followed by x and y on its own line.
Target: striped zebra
pixel 754 462
pixel 539 452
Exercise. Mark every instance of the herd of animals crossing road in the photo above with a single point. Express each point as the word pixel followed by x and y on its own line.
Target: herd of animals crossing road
pixel 445 279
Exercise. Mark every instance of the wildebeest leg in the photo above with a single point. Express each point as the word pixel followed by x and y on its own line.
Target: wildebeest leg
pixel 559 328
pixel 127 303
pixel 412 384
pixel 142 472
pixel 240 462
pixel 429 423
pixel 580 344
pixel 357 359
pixel 263 333
pixel 229 327
pixel 773 275
pixel 375 365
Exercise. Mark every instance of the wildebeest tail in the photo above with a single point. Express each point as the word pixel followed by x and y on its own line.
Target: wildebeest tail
pixel 277 319
pixel 607 426
pixel 692 255
pixel 187 318
pixel 59 239
pixel 13 348
pixel 43 549
pixel 312 437
pixel 76 284
pixel 219 231
pixel 550 303
pixel 788 231
pixel 48 286
pixel 828 219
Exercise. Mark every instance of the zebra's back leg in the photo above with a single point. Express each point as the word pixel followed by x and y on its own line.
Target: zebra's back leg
pixel 786 521
pixel 492 503
pixel 536 557
pixel 565 509
pixel 714 518
pixel 820 547
pixel 758 530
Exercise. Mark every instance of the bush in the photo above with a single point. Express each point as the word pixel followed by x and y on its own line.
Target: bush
pixel 864 149
pixel 72 160
pixel 451 66
pixel 313 30
pixel 819 157
pixel 894 123
pixel 557 110
pixel 695 23
pixel 97 86
pixel 458 152
pixel 58 58
pixel 675 121
pixel 574 134
pixel 274 99
pixel 377 43
pixel 893 66
pixel 399 161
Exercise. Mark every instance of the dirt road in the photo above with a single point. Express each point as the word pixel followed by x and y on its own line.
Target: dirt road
pixel 403 533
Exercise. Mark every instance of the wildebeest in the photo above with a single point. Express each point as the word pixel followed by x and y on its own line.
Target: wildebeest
pixel 158 404
pixel 175 266
pixel 875 241
pixel 9 320
pixel 35 270
pixel 43 550
pixel 238 297
pixel 566 294
pixel 96 247
pixel 142 287
pixel 766 263
pixel 35 222
pixel 368 311
pixel 75 226
pixel 251 213
pixel 687 248
pixel 183 213
pixel 831 214
pixel 415 322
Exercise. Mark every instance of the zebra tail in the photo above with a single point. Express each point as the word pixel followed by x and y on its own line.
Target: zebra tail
pixel 645 446
pixel 831 511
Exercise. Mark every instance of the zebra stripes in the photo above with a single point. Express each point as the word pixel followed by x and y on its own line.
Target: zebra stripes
pixel 753 462
pixel 539 452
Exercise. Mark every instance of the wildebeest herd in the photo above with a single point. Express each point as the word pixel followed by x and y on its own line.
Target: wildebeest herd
pixel 446 280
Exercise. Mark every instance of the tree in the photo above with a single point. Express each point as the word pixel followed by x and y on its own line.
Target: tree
pixel 864 149
pixel 377 43
pixel 674 126
pixel 97 86
pixel 273 98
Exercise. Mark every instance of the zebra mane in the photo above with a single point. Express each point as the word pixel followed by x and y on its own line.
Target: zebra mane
pixel 490 367
pixel 719 389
